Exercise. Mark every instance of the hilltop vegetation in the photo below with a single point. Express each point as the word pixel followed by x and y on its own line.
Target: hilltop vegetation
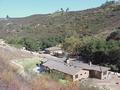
pixel 92 34
pixel 50 29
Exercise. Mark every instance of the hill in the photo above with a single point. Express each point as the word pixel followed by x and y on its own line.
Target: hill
pixel 50 29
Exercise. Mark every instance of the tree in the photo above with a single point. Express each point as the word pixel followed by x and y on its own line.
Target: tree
pixel 67 10
pixel 114 36
pixel 102 52
pixel 31 44
pixel 70 44
pixel 62 10
pixel 7 17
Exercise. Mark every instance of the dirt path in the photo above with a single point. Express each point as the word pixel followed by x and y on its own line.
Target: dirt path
pixel 110 84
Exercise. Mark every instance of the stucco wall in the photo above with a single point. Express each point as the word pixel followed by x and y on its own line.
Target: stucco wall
pixel 81 74
pixel 104 75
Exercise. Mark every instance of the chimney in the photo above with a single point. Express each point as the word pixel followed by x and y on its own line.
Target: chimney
pixel 67 61
pixel 90 63
pixel 67 58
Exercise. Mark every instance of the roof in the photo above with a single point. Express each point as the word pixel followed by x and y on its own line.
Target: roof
pixel 62 67
pixel 88 67
pixel 73 67
pixel 53 48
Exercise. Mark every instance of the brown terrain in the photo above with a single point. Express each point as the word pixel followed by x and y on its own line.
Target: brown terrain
pixel 9 80
pixel 99 21
pixel 43 26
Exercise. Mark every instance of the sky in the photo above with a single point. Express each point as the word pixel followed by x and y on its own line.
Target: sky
pixel 23 8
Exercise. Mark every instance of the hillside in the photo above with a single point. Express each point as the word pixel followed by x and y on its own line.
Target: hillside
pixel 59 25
pixel 91 36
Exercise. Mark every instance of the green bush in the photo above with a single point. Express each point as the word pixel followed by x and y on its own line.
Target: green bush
pixel 32 44
pixel 103 53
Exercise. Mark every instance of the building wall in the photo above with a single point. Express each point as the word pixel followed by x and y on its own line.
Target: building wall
pixel 80 75
pixel 104 75
pixel 98 74
pixel 54 52
pixel 95 74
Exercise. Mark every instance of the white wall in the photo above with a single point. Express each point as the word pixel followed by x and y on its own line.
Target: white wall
pixel 81 74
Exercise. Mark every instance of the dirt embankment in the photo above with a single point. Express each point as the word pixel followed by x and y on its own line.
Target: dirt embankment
pixel 8 52
pixel 9 80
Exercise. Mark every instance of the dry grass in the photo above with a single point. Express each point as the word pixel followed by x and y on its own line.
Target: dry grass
pixel 46 83
pixel 7 52
pixel 12 81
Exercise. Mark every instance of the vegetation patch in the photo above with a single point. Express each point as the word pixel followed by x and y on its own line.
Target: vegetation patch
pixel 29 63
pixel 63 81
pixel 59 77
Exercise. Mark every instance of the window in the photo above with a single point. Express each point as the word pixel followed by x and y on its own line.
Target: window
pixel 76 76
pixel 80 74
pixel 85 72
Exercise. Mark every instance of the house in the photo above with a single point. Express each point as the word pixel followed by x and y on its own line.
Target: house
pixel 95 71
pixel 55 51
pixel 77 70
